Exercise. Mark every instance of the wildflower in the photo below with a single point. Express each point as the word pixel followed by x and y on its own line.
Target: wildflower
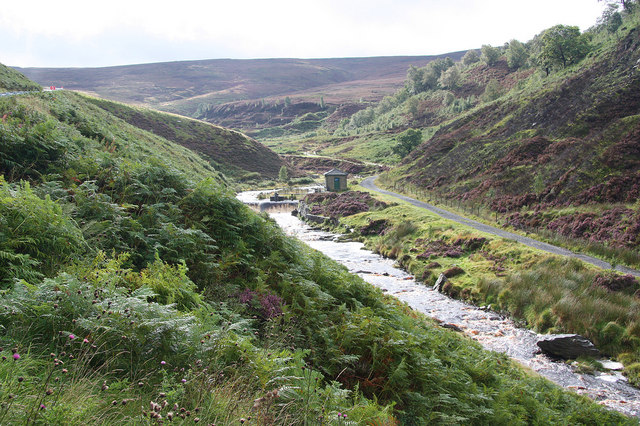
pixel 16 357
pixel 20 379
pixel 72 336
pixel 163 362
pixel 43 407
pixel 184 380
pixel 85 341
pixel 49 392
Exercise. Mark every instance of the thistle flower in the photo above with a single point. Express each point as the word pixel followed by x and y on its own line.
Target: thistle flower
pixel 72 336
pixel 163 362
pixel 16 357
pixel 85 341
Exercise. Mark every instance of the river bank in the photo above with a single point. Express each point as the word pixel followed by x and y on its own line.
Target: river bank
pixel 491 330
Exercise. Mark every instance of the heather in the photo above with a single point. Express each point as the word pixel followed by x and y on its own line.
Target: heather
pixel 347 203
pixel 138 290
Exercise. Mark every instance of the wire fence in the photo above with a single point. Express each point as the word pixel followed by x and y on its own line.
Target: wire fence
pixel 448 199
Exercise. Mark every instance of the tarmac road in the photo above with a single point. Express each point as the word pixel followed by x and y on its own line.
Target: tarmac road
pixel 369 183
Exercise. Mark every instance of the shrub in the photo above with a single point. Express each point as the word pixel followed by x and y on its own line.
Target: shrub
pixel 35 234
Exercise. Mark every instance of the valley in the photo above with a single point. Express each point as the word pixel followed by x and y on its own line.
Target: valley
pixel 496 192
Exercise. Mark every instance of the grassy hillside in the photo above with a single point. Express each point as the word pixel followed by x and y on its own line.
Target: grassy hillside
pixel 11 81
pixel 231 152
pixel 552 153
pixel 137 290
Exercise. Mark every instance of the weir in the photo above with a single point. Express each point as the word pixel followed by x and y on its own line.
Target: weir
pixel 286 206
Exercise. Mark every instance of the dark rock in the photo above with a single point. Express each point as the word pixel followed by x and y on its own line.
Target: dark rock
pixel 452 327
pixel 568 346
pixel 439 282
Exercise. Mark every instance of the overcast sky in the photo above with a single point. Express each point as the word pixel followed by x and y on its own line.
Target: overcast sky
pixel 84 33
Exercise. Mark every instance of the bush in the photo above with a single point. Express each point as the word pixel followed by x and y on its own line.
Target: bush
pixel 490 55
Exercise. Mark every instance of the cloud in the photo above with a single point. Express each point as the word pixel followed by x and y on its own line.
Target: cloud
pixel 81 33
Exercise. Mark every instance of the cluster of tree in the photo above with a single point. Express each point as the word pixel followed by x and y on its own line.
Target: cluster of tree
pixel 370 114
pixel 427 78
pixel 553 49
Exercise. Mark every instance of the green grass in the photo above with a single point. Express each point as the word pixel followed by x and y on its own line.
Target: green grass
pixel 12 81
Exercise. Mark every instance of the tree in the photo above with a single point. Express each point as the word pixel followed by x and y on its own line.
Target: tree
pixel 448 99
pixel 441 65
pixel 627 5
pixel 471 57
pixel 614 22
pixel 450 79
pixel 430 77
pixel 492 91
pixel 561 46
pixel 490 54
pixel 414 79
pixel 406 142
pixel 283 174
pixel 517 54
pixel 412 107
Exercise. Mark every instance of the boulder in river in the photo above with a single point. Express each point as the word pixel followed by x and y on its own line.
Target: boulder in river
pixel 439 282
pixel 567 346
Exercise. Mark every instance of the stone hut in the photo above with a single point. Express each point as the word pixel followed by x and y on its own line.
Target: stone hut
pixel 336 180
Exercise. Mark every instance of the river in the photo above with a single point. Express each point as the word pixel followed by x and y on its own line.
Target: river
pixel 492 330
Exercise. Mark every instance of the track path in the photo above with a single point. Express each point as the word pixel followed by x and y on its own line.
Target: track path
pixel 369 183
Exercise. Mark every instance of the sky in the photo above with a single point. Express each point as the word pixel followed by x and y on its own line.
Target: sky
pixel 84 33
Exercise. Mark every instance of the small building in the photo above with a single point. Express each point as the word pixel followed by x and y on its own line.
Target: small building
pixel 336 180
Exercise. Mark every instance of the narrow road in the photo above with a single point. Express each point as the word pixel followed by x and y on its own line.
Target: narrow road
pixel 369 184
